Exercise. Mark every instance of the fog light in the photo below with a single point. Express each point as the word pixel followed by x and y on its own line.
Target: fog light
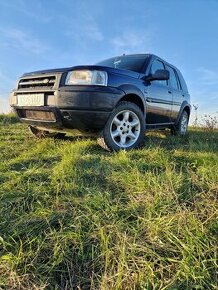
pixel 50 100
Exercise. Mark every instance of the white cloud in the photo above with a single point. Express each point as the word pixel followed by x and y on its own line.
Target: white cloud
pixel 4 79
pixel 92 31
pixel 18 39
pixel 206 100
pixel 39 14
pixel 5 85
pixel 83 30
pixel 4 104
pixel 132 41
pixel 208 76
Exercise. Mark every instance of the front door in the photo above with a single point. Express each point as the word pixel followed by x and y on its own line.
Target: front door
pixel 158 98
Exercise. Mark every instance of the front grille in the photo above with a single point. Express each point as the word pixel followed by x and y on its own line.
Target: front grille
pixel 37 82
pixel 36 115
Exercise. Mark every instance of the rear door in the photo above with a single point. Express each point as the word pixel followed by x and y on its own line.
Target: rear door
pixel 158 99
pixel 176 91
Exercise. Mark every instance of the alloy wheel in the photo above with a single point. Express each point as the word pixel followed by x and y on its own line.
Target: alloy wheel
pixel 184 124
pixel 125 128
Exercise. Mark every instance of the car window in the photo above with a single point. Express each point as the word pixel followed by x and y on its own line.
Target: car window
pixel 173 78
pixel 178 80
pixel 182 82
pixel 154 67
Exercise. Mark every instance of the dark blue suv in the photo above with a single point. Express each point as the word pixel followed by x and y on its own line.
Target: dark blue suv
pixel 117 99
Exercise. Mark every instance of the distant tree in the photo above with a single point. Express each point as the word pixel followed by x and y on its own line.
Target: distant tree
pixel 195 106
pixel 210 121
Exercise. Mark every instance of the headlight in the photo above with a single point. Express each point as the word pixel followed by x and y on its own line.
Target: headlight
pixel 87 77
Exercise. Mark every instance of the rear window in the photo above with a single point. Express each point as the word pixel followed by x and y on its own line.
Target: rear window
pixel 182 81
pixel 129 62
pixel 173 78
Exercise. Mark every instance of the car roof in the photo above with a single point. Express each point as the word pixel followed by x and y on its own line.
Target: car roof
pixel 151 55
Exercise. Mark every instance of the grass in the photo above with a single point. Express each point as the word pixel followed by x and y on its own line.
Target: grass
pixel 73 216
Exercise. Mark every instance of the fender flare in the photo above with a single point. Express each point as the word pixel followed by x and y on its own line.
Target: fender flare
pixel 132 90
pixel 184 105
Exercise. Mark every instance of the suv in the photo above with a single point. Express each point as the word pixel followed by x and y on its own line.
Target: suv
pixel 117 99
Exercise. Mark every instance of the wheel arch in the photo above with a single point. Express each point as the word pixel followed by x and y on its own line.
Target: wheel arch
pixel 185 107
pixel 135 99
pixel 134 94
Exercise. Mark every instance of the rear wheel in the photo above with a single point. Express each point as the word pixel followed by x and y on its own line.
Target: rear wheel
pixel 44 134
pixel 182 127
pixel 124 128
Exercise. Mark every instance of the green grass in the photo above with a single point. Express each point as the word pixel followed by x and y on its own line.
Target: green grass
pixel 73 216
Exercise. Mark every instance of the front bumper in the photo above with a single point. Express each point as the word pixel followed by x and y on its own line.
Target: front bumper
pixel 63 119
pixel 85 109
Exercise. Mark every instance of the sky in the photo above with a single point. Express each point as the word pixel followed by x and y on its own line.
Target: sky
pixel 43 34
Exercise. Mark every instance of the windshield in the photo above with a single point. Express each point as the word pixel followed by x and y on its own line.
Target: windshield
pixel 129 62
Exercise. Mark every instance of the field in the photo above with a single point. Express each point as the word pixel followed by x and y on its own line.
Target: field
pixel 73 216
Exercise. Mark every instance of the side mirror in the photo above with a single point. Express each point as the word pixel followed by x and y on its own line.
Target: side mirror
pixel 160 75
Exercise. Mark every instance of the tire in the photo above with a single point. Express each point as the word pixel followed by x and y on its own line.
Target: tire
pixel 44 134
pixel 124 129
pixel 182 127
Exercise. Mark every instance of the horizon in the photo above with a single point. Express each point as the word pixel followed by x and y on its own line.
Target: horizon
pixel 39 36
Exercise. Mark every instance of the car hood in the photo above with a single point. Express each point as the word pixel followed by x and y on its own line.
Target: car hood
pixel 47 71
pixel 88 67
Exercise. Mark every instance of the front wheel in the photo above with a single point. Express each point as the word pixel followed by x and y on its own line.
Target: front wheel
pixel 124 129
pixel 181 128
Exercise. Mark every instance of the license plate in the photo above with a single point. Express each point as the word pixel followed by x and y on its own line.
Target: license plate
pixel 30 100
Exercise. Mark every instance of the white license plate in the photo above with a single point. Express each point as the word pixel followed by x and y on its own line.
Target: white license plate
pixel 30 100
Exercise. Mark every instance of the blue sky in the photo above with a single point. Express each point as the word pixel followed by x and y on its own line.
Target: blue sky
pixel 41 34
